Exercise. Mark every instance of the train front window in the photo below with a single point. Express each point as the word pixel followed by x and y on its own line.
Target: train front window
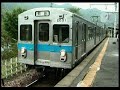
pixel 43 31
pixel 26 32
pixel 61 33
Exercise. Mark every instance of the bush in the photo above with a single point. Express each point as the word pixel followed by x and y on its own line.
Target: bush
pixel 10 21
pixel 10 33
pixel 9 52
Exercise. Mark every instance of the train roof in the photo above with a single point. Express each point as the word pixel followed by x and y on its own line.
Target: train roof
pixel 46 8
pixel 53 9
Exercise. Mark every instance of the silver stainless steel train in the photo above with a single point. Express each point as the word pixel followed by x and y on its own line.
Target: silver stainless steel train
pixel 55 37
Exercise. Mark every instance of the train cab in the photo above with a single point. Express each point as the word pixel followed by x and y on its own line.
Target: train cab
pixel 45 37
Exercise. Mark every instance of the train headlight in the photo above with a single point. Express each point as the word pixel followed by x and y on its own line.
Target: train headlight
pixel 63 55
pixel 23 52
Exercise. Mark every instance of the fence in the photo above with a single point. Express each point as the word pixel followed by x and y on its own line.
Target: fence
pixel 11 67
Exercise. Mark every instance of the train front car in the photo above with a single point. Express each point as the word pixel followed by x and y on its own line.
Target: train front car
pixel 45 37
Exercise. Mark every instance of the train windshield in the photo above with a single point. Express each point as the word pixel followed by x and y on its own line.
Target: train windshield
pixel 43 31
pixel 26 32
pixel 61 33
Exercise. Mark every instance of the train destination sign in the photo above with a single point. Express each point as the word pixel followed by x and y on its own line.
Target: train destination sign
pixel 42 13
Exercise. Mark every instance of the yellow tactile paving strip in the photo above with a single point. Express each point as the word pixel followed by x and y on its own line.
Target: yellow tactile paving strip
pixel 89 78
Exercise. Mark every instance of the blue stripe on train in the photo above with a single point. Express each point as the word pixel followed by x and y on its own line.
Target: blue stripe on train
pixel 46 47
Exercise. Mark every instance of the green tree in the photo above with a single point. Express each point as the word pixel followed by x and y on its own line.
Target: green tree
pixel 10 21
pixel 5 44
pixel 9 26
pixel 75 10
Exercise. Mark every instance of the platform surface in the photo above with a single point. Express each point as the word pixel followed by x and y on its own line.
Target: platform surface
pixel 108 75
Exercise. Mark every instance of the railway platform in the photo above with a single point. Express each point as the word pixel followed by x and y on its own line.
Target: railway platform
pixel 104 72
pixel 108 74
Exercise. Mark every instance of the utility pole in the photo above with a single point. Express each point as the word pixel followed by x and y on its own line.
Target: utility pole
pixel 115 19
pixel 95 19
pixel 101 4
pixel 115 4
pixel 51 4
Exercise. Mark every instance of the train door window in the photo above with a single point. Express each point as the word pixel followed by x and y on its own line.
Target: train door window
pixel 26 32
pixel 76 34
pixel 82 31
pixel 90 33
pixel 61 33
pixel 43 31
pixel 85 31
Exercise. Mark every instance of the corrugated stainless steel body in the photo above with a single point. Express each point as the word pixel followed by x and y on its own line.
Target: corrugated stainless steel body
pixel 48 53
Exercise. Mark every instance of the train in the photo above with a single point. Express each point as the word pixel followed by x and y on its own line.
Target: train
pixel 55 37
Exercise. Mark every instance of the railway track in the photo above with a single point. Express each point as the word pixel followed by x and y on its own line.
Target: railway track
pixel 51 79
pixel 23 80
pixel 31 83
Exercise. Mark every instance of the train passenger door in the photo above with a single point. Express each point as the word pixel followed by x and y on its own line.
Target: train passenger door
pixel 42 54
pixel 83 40
pixel 76 41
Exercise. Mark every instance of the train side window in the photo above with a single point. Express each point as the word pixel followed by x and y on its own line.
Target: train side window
pixel 26 32
pixel 61 33
pixel 90 32
pixel 43 31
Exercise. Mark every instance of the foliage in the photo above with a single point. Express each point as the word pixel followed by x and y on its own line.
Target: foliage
pixel 9 33
pixel 10 21
pixel 9 52
pixel 74 10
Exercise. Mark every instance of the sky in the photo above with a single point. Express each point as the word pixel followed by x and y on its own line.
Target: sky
pixel 100 6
